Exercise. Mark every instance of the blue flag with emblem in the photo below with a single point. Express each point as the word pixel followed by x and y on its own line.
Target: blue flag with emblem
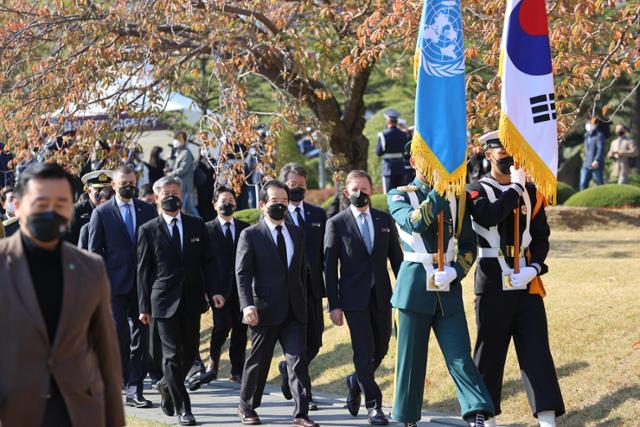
pixel 440 138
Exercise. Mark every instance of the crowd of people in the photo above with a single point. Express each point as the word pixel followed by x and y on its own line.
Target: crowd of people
pixel 121 300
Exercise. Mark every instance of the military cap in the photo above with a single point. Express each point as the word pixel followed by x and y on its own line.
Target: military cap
pixel 490 140
pixel 391 114
pixel 98 179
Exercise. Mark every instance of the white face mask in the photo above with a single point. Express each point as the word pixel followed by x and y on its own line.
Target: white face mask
pixel 590 127
pixel 176 143
pixel 11 208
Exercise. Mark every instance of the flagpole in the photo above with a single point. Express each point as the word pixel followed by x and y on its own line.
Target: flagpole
pixel 441 241
pixel 516 234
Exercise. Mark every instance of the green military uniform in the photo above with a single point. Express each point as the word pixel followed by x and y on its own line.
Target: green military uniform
pixel 417 310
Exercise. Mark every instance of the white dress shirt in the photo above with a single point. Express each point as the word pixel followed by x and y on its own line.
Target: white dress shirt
pixel 356 213
pixel 294 214
pixel 168 219
pixel 223 223
pixel 287 238
pixel 122 207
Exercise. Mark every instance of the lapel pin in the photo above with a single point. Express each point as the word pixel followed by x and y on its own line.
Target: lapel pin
pixel 72 266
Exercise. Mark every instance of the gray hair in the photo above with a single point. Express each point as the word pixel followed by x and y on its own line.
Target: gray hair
pixel 294 168
pixel 165 181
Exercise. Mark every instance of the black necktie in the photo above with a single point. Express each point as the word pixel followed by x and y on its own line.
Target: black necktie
pixel 175 234
pixel 228 236
pixel 282 246
pixel 300 219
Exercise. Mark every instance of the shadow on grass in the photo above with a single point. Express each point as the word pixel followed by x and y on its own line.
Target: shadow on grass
pixel 509 388
pixel 601 409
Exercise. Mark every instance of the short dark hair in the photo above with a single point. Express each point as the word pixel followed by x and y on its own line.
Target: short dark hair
pixel 42 171
pixel 294 168
pixel 180 133
pixel 4 191
pixel 124 169
pixel 146 189
pixel 358 173
pixel 264 197
pixel 223 189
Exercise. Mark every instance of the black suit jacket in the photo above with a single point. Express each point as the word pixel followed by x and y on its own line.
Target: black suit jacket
pixel 264 281
pixel 109 238
pixel 166 276
pixel 81 215
pixel 224 260
pixel 343 242
pixel 315 222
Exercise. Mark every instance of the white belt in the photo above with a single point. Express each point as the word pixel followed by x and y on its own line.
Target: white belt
pixel 425 258
pixel 393 156
pixel 489 252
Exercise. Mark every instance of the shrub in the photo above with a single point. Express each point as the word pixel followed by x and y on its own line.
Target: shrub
pixel 634 180
pixel 564 192
pixel 379 201
pixel 610 195
pixel 249 215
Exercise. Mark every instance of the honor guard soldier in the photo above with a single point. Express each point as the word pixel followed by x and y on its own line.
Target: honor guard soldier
pixel 510 304
pixel 94 183
pixel 390 147
pixel 425 299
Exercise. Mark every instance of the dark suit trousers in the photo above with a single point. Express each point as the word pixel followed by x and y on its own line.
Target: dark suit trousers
pixel 155 353
pixel 292 337
pixel 180 336
pixel 229 319
pixel 522 316
pixel 370 334
pixel 133 340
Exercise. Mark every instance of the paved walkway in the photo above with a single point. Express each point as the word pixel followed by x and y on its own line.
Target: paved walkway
pixel 215 405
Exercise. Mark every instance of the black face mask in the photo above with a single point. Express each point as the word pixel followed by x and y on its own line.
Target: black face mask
pixel 620 133
pixel 277 212
pixel 297 194
pixel 504 164
pixel 359 199
pixel 127 192
pixel 47 226
pixel 227 209
pixel 171 204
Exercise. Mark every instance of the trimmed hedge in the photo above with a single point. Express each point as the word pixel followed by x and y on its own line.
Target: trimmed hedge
pixel 565 191
pixel 634 180
pixel 249 215
pixel 609 196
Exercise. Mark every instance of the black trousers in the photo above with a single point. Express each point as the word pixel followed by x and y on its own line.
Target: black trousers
pixel 370 334
pixel 133 340
pixel 228 319
pixel 501 316
pixel 393 181
pixel 154 361
pixel 315 326
pixel 180 336
pixel 292 337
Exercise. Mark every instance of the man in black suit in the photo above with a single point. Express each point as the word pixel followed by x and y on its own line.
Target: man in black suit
pixel 223 240
pixel 361 239
pixel 175 270
pixel 113 230
pixel 271 274
pixel 312 219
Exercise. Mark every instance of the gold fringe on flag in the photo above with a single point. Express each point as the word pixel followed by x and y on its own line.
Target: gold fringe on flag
pixel 522 153
pixel 434 172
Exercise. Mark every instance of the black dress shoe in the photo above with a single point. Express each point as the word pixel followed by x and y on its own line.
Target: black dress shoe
pixel 194 383
pixel 353 395
pixel 284 375
pixel 235 379
pixel 138 401
pixel 186 419
pixel 313 405
pixel 376 417
pixel 249 418
pixel 208 376
pixel 166 403
pixel 410 424
pixel 305 422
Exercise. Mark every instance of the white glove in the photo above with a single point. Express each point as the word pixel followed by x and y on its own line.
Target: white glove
pixel 522 279
pixel 443 278
pixel 518 176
